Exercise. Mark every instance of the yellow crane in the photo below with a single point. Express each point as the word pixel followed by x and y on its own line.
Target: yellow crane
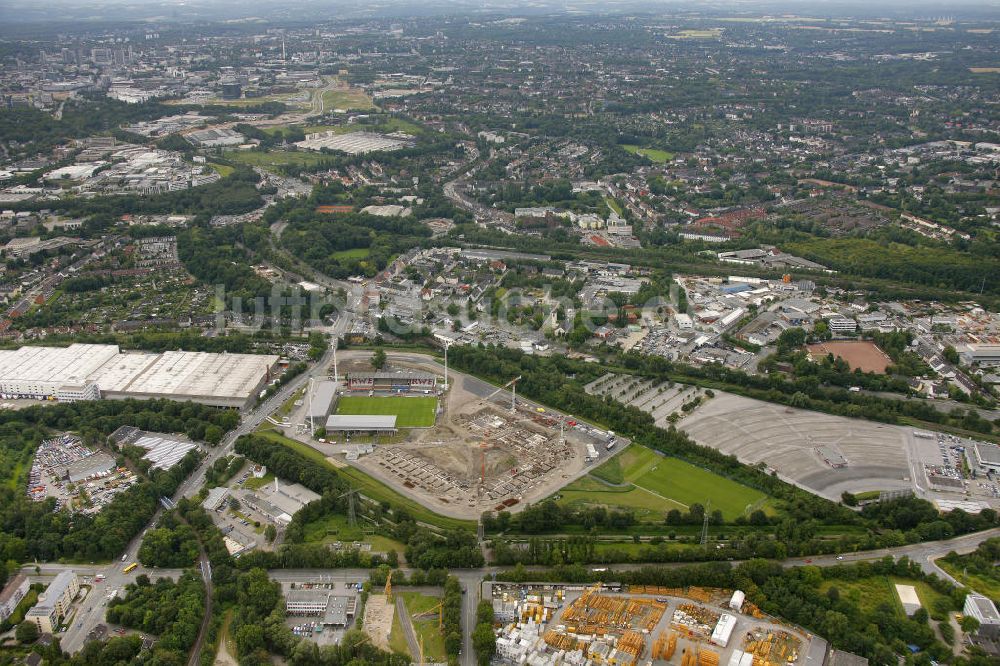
pixel 440 613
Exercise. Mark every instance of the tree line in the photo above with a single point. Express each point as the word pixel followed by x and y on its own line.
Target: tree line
pixel 808 596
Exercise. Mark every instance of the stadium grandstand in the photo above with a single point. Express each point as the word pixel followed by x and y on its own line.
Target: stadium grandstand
pixel 391 382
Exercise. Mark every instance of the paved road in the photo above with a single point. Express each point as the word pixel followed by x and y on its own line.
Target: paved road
pixel 923 553
pixel 407 625
pixel 91 611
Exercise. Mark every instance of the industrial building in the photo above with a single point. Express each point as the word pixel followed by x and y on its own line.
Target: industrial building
pixel 354 143
pixel 333 609
pixel 216 498
pixel 984 355
pixel 987 455
pixel 723 630
pixel 162 451
pixel 91 467
pixel 985 611
pixel 84 371
pixel 13 592
pixel 367 424
pixel 395 382
pixel 278 503
pixel 843 325
pixel 215 137
pixel 54 603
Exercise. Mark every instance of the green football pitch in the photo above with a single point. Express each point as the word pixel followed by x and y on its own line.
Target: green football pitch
pixel 415 412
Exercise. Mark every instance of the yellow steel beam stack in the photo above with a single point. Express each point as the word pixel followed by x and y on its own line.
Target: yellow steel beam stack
pixel 708 658
pixel 668 653
pixel 659 646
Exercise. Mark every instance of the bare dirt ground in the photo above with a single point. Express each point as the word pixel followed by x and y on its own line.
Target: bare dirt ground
pixel 479 456
pixel 378 620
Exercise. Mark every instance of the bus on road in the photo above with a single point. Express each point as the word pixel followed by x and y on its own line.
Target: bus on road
pixel 130 568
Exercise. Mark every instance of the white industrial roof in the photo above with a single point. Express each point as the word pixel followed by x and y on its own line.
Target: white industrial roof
pixel 116 374
pixel 202 374
pixel 57 365
pixel 163 452
pixel 170 374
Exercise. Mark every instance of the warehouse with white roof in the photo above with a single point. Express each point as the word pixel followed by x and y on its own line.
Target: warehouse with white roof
pixel 222 380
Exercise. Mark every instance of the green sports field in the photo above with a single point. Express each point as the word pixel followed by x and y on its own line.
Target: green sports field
pixel 650 484
pixel 415 412
pixel 654 154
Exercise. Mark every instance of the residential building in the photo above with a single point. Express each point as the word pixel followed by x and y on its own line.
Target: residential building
pixel 13 592
pixel 54 604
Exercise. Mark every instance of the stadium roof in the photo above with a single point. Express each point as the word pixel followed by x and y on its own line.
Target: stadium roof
pixel 322 399
pixel 362 422
pixel 392 375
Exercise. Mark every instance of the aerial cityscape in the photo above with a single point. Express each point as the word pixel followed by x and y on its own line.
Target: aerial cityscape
pixel 514 334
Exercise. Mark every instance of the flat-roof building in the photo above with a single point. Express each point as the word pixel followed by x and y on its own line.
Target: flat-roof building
pixel 85 371
pixel 985 611
pixel 91 467
pixel 362 423
pixel 987 455
pixel 216 498
pixel 333 609
pixel 986 355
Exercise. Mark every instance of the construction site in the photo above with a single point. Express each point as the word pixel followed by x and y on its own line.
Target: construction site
pixel 566 624
pixel 489 450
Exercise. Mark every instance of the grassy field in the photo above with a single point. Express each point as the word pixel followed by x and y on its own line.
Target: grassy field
pixel 929 597
pixel 867 593
pixel 427 626
pixel 614 205
pixel 370 487
pixel 274 158
pixel 334 527
pixel 651 484
pixel 712 33
pixel 222 169
pixel 416 412
pixel 654 154
pixel 989 587
pixel 312 129
pixel 253 483
pixel 350 99
pixel 355 253
pixel 397 639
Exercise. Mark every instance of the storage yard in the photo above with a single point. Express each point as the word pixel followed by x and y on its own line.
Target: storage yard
pixel 570 624
pixel 85 371
pixel 78 477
